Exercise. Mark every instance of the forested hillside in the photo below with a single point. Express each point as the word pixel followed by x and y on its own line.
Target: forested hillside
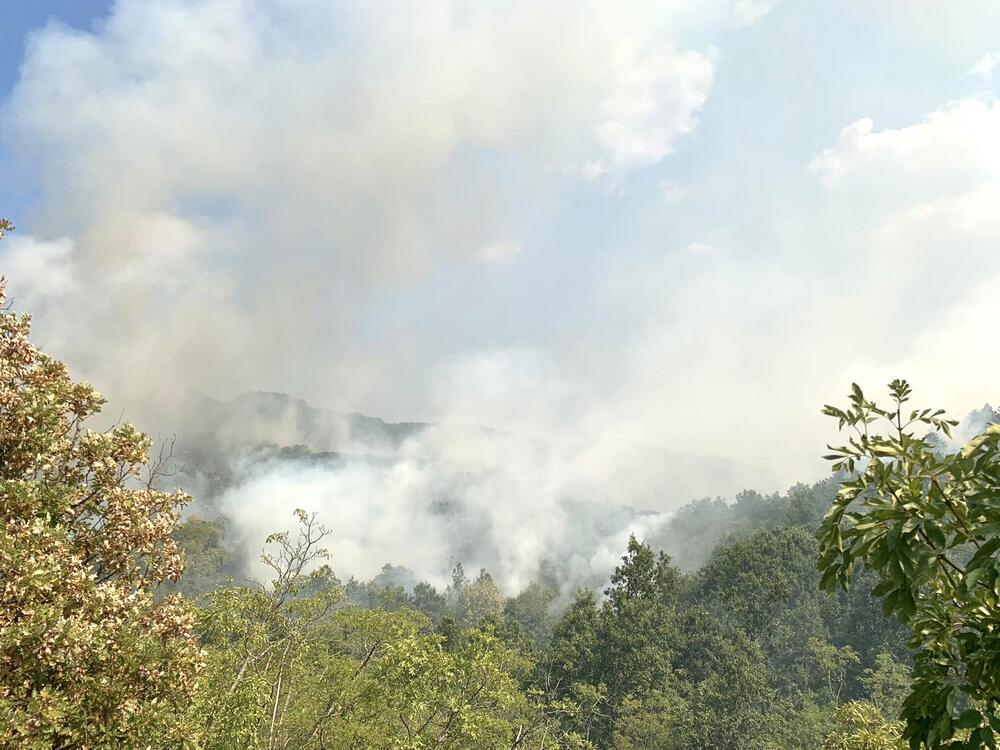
pixel 225 444
pixel 426 496
pixel 744 651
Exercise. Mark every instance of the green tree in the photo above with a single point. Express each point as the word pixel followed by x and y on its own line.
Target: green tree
pixel 715 698
pixel 531 609
pixel 428 600
pixel 88 657
pixel 766 583
pixel 264 647
pixel 209 563
pixel 642 576
pixel 722 676
pixel 430 697
pixel 753 580
pixel 632 653
pixel 864 727
pixel 568 666
pixel 927 522
pixel 479 600
pixel 571 653
pixel 662 720
pixel 835 665
pixel 887 684
pixel 290 666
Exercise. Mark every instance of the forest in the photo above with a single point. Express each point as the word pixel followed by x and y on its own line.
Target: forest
pixel 857 613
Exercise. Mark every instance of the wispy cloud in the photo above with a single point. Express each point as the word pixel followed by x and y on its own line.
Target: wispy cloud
pixel 503 251
pixel 986 65
pixel 749 12
pixel 654 101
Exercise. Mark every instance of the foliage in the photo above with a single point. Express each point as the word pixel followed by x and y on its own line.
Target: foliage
pixel 864 727
pixel 927 522
pixel 635 624
pixel 886 684
pixel 835 665
pixel 88 657
pixel 754 578
pixel 426 599
pixel 531 610
pixel 660 721
pixel 570 658
pixel 265 650
pixel 722 674
pixel 209 562
pixel 479 600
pixel 648 669
pixel 290 667
pixel 695 530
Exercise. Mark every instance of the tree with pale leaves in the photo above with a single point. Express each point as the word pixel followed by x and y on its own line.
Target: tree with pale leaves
pixel 89 658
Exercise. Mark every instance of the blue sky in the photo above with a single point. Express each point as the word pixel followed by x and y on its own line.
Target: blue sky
pixel 19 19
pixel 680 223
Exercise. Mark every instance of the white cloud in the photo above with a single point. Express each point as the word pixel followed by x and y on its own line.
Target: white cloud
pixel 655 101
pixel 672 192
pixel 593 169
pixel 503 251
pixel 730 345
pixel 41 271
pixel 835 162
pixel 986 64
pixel 721 345
pixel 957 142
pixel 696 248
pixel 916 263
pixel 749 12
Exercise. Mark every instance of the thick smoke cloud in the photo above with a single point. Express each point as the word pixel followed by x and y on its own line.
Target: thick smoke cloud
pixel 520 520
pixel 232 185
pixel 427 496
pixel 236 195
pixel 240 180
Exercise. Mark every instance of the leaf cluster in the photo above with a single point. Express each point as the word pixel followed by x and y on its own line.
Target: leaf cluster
pixel 928 523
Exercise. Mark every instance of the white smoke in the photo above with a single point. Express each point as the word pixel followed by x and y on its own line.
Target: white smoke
pixel 518 501
pixel 242 181
pixel 236 195
pixel 428 515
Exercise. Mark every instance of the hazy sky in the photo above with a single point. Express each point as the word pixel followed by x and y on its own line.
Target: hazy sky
pixel 683 224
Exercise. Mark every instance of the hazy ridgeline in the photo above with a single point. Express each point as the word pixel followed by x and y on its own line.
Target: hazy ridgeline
pixel 425 497
pixel 407 502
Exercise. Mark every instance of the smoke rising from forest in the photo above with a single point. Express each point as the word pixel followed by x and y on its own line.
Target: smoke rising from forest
pixel 427 496
pixel 501 216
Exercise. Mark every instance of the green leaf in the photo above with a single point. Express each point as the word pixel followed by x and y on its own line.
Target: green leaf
pixel 936 536
pixel 969 719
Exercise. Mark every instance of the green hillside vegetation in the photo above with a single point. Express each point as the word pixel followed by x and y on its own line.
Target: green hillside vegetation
pixel 747 651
